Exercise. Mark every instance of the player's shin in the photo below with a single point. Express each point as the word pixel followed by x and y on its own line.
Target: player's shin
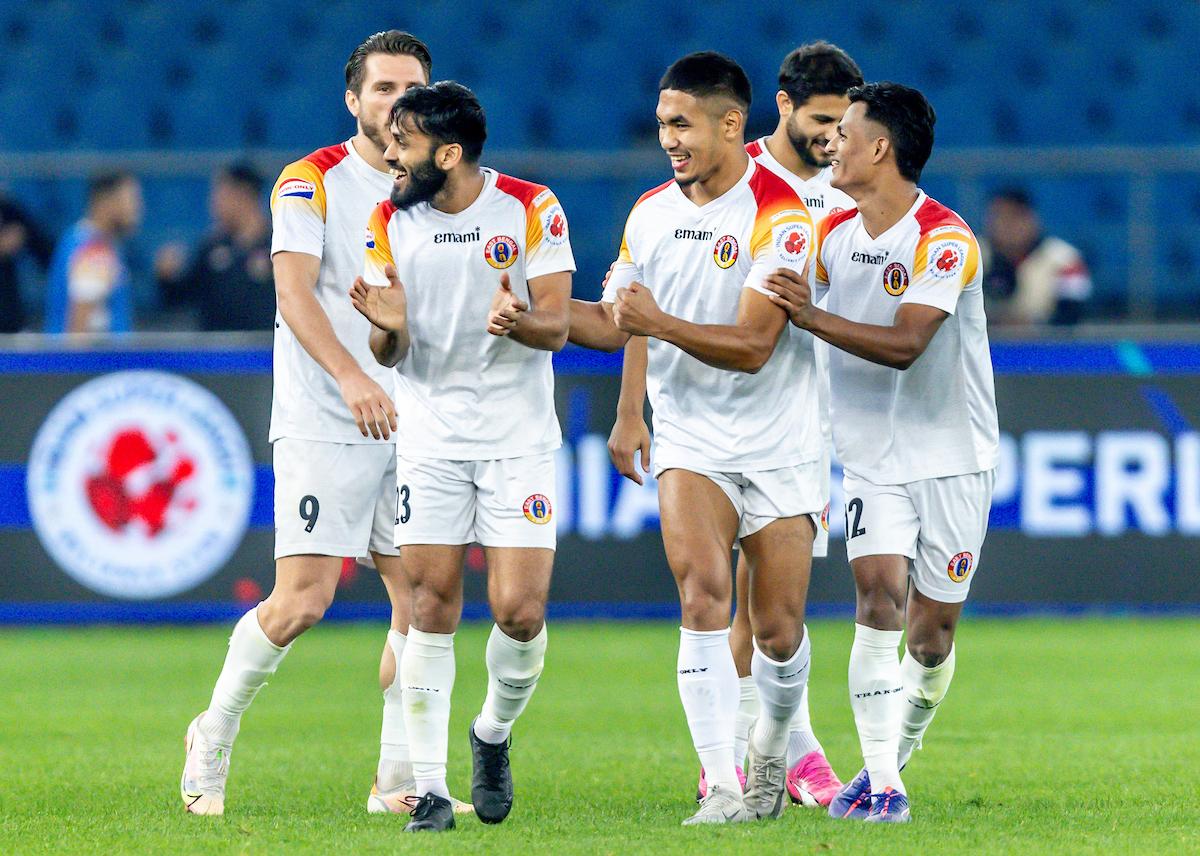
pixel 748 710
pixel 802 740
pixel 708 688
pixel 780 690
pixel 395 767
pixel 924 689
pixel 513 671
pixel 252 658
pixel 427 674
pixel 876 697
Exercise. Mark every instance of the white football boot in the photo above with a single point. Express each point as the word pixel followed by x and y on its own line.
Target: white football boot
pixel 720 805
pixel 205 769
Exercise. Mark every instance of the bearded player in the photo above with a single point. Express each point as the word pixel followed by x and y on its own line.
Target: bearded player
pixel 913 409
pixel 735 416
pixel 474 269
pixel 332 421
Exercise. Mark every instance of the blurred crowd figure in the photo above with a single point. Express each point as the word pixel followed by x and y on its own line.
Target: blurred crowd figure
pixel 20 236
pixel 226 280
pixel 88 289
pixel 1030 277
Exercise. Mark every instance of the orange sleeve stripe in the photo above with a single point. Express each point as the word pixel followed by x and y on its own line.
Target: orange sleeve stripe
pixel 774 197
pixel 303 172
pixel 381 253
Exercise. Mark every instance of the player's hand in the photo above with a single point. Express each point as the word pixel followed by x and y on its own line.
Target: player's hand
pixel 790 290
pixel 629 436
pixel 371 406
pixel 635 310
pixel 506 310
pixel 384 306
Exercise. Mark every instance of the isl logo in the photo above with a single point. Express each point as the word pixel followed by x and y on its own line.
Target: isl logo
pixel 140 484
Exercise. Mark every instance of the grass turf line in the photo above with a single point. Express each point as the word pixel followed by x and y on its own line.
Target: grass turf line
pixel 1058 736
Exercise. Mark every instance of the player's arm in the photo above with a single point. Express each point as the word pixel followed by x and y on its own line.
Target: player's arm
pixel 544 324
pixel 744 346
pixel 630 434
pixel 295 290
pixel 592 326
pixel 897 346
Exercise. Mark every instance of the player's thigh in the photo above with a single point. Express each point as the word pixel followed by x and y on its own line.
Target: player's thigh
pixel 434 502
pixel 299 575
pixel 740 634
pixel 325 496
pixel 881 520
pixel 699 516
pixel 518 587
pixel 953 513
pixel 515 499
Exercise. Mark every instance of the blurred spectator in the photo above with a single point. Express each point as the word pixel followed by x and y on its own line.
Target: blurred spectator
pixel 228 279
pixel 19 234
pixel 1030 277
pixel 88 290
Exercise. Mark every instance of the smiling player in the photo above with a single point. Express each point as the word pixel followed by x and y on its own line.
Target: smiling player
pixel 913 409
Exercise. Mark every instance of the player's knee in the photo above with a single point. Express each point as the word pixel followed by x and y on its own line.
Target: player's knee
pixel 432 606
pixel 880 608
pixel 703 606
pixel 523 622
pixel 779 640
pixel 931 651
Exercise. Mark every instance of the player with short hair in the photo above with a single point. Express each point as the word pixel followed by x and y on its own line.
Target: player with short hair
pixel 735 415
pixel 332 421
pixel 813 81
pixel 913 409
pixel 476 446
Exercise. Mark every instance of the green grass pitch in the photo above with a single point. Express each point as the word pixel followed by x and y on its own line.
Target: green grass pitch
pixel 1058 736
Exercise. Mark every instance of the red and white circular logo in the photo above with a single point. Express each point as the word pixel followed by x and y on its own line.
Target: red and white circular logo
pixel 140 484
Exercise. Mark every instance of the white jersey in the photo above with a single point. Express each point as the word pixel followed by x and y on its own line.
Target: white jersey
pixel 696 261
pixel 463 394
pixel 320 206
pixel 938 417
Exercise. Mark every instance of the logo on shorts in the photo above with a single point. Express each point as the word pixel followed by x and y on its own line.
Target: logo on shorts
pixel 825 517
pixel 140 484
pixel 960 566
pixel 895 279
pixel 725 252
pixel 537 509
pixel 500 252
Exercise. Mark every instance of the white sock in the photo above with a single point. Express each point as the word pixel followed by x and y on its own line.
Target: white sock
pixel 395 768
pixel 780 688
pixel 427 675
pixel 924 690
pixel 877 698
pixel 513 671
pixel 802 740
pixel 708 688
pixel 252 658
pixel 746 714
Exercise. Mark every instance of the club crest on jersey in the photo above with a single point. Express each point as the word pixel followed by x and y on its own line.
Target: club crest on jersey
pixel 537 509
pixel 895 279
pixel 554 226
pixel 725 251
pixel 960 566
pixel 296 187
pixel 370 239
pixel 500 252
pixel 791 242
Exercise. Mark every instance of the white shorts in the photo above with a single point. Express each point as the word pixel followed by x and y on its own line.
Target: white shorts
pixel 334 499
pixel 502 503
pixel 939 524
pixel 764 496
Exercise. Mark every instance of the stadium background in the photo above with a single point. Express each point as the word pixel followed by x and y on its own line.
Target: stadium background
pixel 1099 496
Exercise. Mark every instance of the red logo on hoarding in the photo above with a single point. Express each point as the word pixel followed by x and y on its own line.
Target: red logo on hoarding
pixel 139 482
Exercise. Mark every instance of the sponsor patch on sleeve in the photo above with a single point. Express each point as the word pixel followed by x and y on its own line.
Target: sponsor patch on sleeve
pixel 296 187
pixel 792 241
pixel 554 225
pixel 946 258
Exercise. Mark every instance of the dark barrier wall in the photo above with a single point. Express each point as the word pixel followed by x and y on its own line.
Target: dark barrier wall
pixel 155 487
